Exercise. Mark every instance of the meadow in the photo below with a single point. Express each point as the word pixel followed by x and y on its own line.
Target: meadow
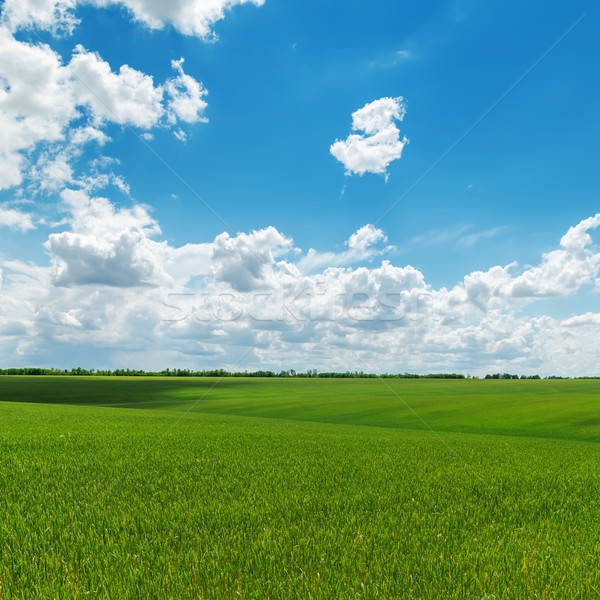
pixel 299 488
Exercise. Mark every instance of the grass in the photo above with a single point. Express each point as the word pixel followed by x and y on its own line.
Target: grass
pixel 163 488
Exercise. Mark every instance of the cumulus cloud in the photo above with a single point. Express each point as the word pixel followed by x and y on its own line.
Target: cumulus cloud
pixel 126 260
pixel 564 270
pixel 186 103
pixel 249 290
pixel 559 273
pixel 128 98
pixel 245 261
pixel 50 109
pixel 362 246
pixel 15 219
pixel 379 144
pixel 117 246
pixel 41 98
pixel 35 103
pixel 52 170
pixel 190 17
pixel 106 245
pixel 585 320
pixel 50 15
pixel 365 238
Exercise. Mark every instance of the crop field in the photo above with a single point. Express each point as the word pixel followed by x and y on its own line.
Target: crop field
pixel 165 488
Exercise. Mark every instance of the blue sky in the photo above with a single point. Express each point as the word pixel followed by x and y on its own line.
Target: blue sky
pixel 254 154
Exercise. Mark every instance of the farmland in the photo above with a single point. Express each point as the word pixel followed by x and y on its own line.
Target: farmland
pixel 290 488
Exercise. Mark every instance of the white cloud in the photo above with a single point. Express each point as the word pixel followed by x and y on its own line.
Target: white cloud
pixel 365 238
pixel 588 318
pixel 52 169
pixel 186 93
pixel 41 98
pixel 560 272
pixel 127 98
pixel 190 17
pixel 180 135
pixel 564 270
pixel 114 283
pixel 15 219
pixel 106 245
pixel 49 15
pixel 130 97
pixel 35 103
pixel 362 246
pixel 379 144
pixel 126 260
pixel 245 261
pixel 10 169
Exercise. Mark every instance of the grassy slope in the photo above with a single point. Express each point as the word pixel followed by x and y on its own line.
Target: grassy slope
pixel 549 408
pixel 127 503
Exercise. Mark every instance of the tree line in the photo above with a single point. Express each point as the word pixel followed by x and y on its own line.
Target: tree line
pixel 312 373
pixel 509 376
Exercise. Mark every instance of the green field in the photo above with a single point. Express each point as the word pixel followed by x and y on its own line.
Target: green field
pixel 299 488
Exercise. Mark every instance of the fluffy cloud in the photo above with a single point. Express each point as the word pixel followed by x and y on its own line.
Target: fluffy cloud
pixel 113 283
pixel 379 144
pixel 130 97
pixel 582 320
pixel 560 272
pixel 35 105
pixel 50 15
pixel 191 17
pixel 41 98
pixel 564 270
pixel 186 103
pixel 245 262
pixel 126 260
pixel 52 169
pixel 106 245
pixel 15 219
pixel 365 238
pixel 362 246
pixel 127 98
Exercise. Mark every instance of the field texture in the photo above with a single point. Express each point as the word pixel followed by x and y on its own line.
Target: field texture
pixel 283 488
